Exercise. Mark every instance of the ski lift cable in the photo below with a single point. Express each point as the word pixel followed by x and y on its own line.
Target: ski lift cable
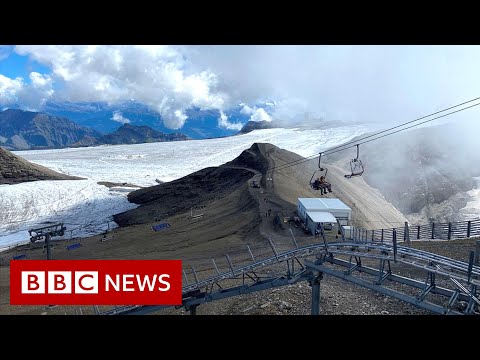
pixel 360 141
pixel 328 152
pixel 346 145
pixel 406 123
pixel 353 142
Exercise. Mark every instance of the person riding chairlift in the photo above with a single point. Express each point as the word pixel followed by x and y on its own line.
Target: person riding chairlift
pixel 324 185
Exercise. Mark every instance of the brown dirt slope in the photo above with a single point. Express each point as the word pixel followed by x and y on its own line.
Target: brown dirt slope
pixel 15 170
pixel 193 190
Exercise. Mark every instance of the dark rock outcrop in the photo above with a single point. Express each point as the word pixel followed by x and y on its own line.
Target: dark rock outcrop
pixel 14 170
pixel 255 125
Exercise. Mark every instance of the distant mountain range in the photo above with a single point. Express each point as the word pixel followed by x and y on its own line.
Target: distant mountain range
pixel 22 130
pixel 201 124
pixel 91 123
pixel 131 134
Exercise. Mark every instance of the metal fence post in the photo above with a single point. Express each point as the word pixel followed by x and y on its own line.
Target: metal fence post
pixel 394 245
pixel 477 252
pixel 449 236
pixel 195 274
pixel 186 278
pixel 418 232
pixel 273 248
pixel 316 294
pixel 406 234
pixel 469 227
pixel 433 230
pixel 382 236
pixel 215 265
pixel 230 264
pixel 250 251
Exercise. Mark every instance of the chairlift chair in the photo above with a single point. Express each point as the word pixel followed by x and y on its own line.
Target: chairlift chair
pixel 356 166
pixel 322 171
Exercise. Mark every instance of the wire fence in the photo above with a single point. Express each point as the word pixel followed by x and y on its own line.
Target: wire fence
pixel 433 231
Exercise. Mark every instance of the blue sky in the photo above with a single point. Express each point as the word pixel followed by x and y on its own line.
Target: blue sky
pixel 348 83
pixel 16 65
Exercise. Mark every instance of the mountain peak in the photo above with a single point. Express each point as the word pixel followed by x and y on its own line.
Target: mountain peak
pixel 134 134
pixel 21 130
pixel 256 125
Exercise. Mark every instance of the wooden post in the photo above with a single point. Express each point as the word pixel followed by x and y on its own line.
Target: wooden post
pixel 433 230
pixel 449 236
pixel 382 235
pixel 469 228
pixel 418 232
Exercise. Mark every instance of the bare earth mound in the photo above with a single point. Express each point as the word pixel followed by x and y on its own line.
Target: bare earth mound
pixel 15 170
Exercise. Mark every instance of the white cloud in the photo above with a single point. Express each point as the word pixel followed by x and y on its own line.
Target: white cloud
pixel 9 89
pixel 360 83
pixel 260 115
pixel 256 114
pixel 247 110
pixel 158 76
pixel 225 124
pixel 117 116
pixel 291 108
pixel 39 80
pixel 34 95
pixel 31 96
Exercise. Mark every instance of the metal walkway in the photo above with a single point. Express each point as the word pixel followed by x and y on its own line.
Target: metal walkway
pixel 369 264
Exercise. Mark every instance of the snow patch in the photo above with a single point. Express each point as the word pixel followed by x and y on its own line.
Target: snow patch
pixel 471 211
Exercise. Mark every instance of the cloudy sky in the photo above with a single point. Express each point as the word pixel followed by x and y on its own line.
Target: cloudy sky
pixel 350 83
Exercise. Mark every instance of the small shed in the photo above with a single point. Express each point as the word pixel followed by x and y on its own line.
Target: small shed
pixel 335 207
pixel 313 218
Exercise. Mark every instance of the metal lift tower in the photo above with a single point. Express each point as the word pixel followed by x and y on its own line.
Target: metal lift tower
pixel 46 233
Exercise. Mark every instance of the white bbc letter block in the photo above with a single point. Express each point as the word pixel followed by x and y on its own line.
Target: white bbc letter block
pixel 33 282
pixel 59 282
pixel 86 282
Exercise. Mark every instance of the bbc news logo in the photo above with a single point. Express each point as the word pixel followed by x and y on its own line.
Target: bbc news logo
pixel 96 282
pixel 59 282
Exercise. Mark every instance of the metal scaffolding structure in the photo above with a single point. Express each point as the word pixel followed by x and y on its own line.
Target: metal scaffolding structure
pixel 367 264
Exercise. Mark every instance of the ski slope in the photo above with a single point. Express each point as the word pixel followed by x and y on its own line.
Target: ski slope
pixel 86 208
